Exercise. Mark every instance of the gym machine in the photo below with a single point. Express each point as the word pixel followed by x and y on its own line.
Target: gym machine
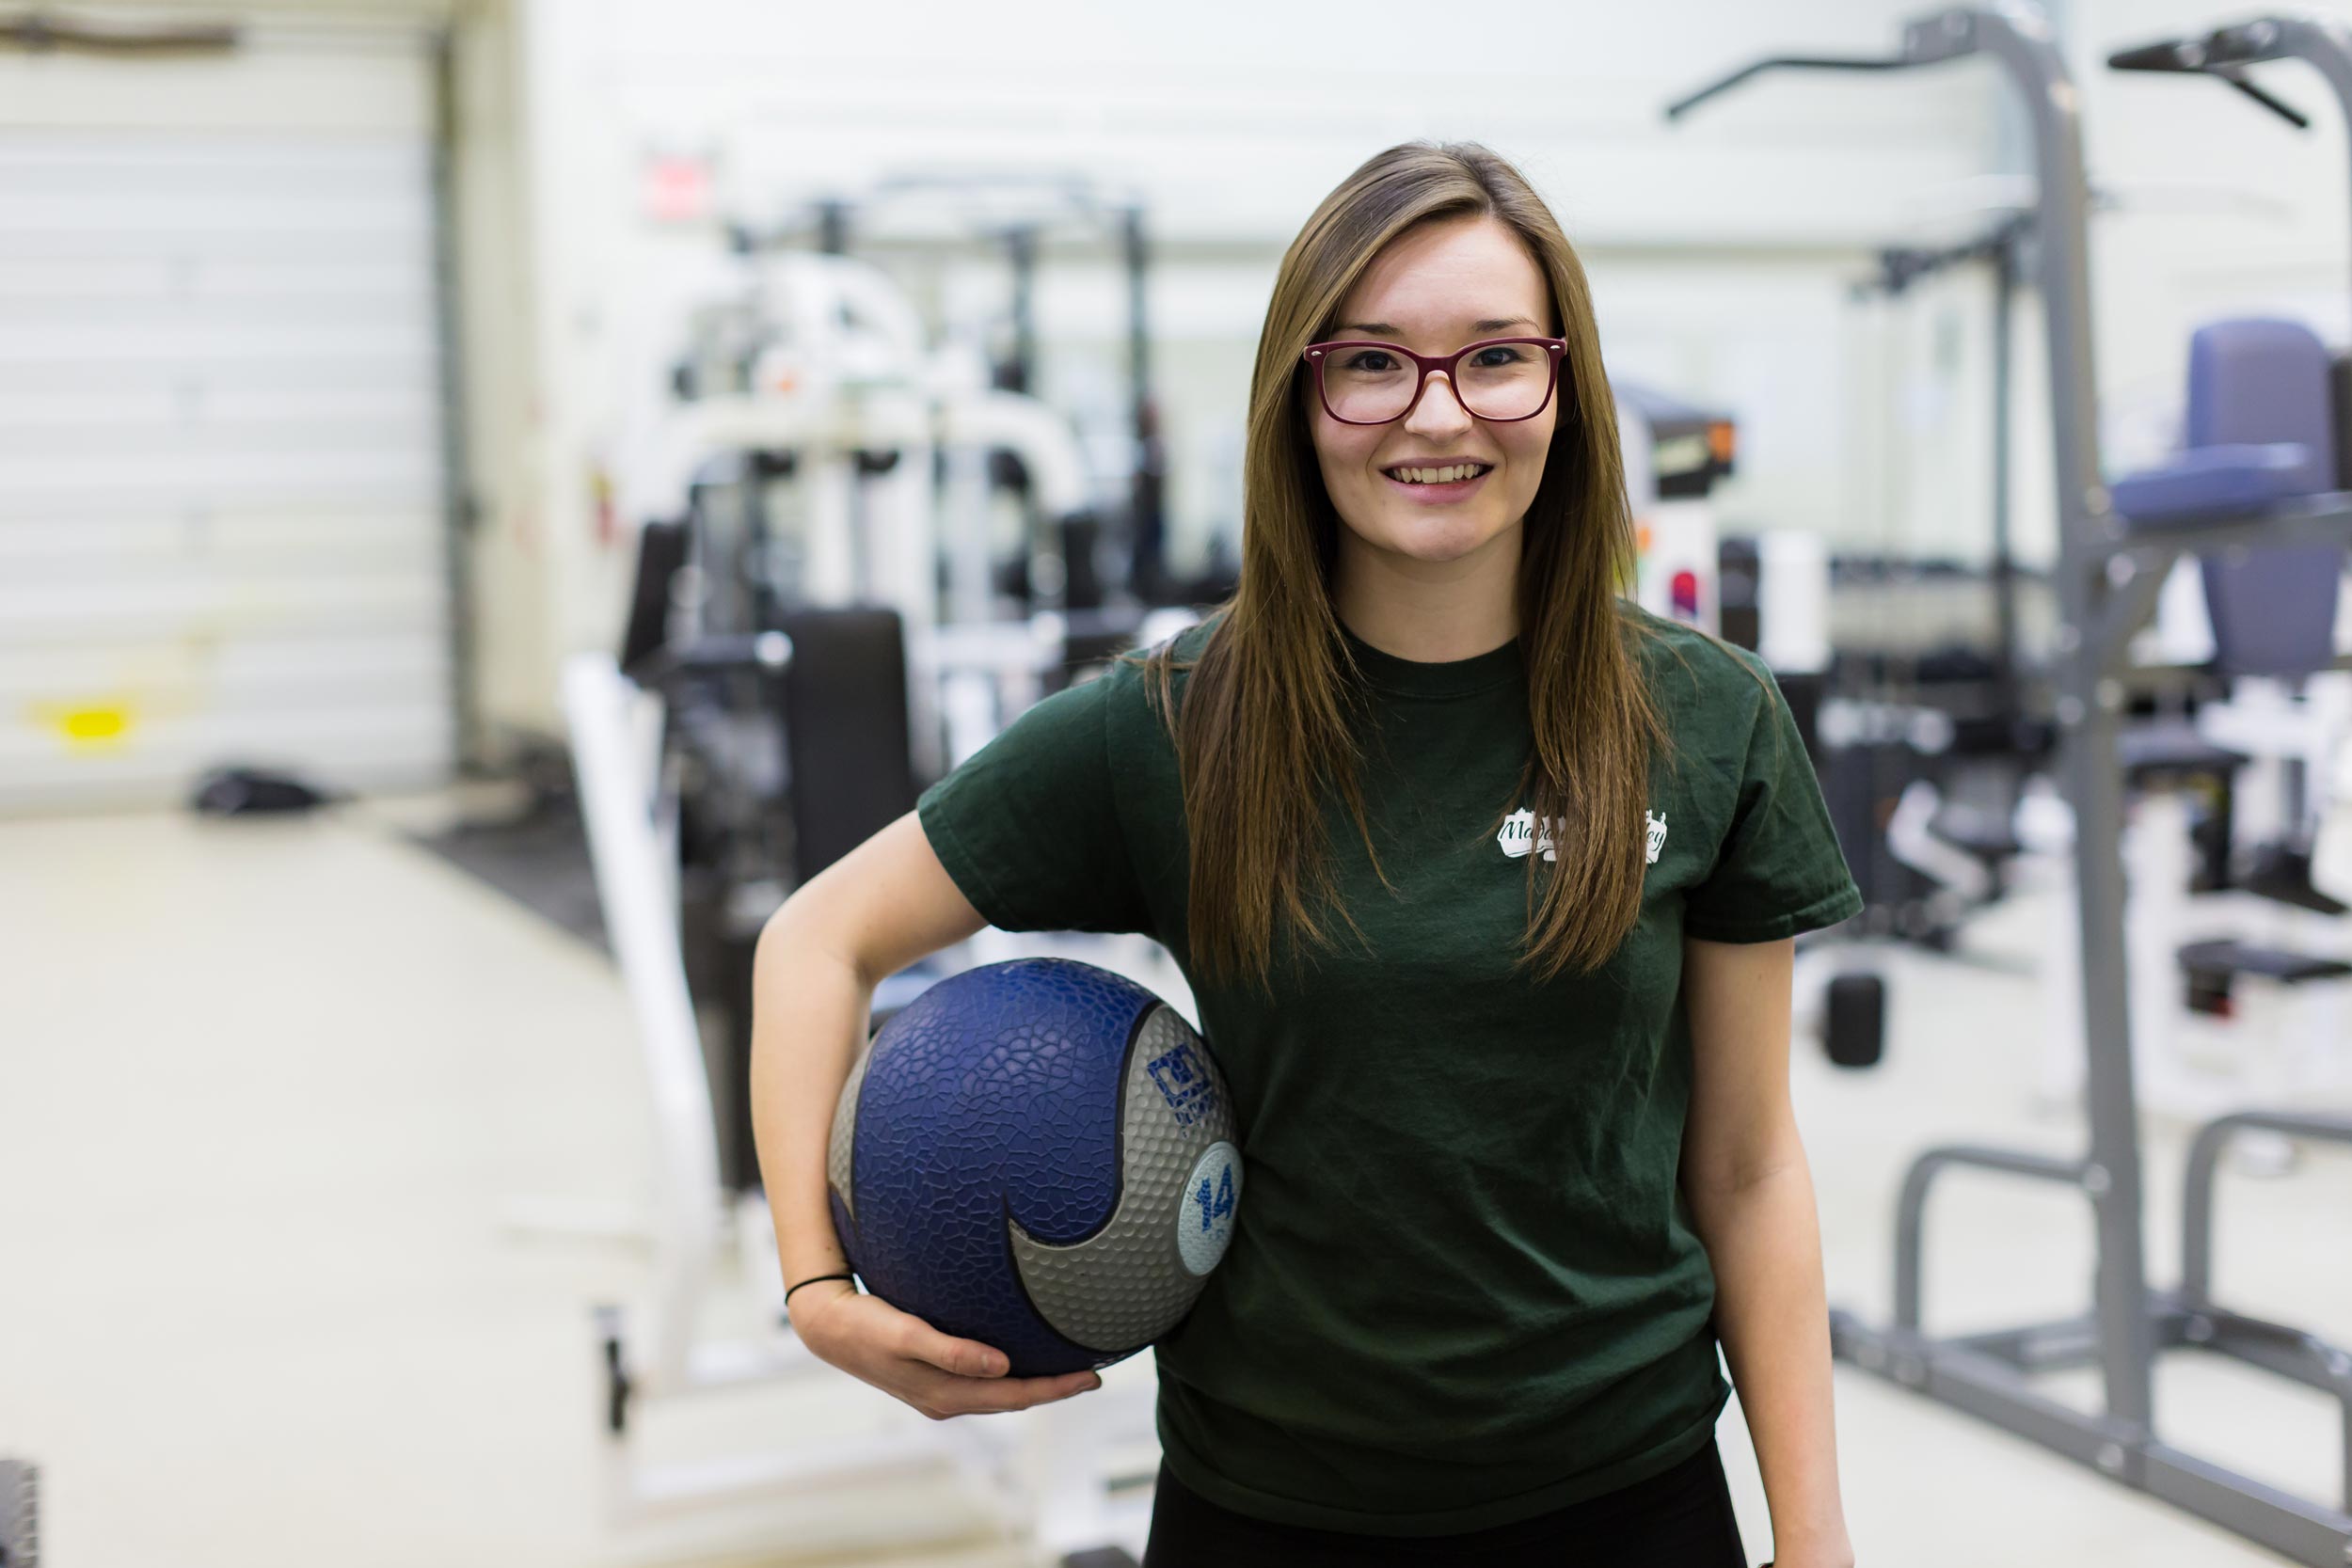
pixel 757 724
pixel 624 748
pixel 1675 454
pixel 2259 410
pixel 1937 743
pixel 837 679
pixel 20 1514
pixel 2111 570
pixel 1094 560
pixel 770 767
pixel 1934 759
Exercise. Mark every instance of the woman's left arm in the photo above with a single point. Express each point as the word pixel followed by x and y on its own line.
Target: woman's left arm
pixel 1745 1173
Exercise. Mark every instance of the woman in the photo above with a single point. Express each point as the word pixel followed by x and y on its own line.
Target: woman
pixel 1485 882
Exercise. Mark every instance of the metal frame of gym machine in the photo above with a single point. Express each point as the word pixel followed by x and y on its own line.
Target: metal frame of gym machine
pixel 2110 575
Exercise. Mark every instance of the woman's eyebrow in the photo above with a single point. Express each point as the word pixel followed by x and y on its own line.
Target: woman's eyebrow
pixel 1502 325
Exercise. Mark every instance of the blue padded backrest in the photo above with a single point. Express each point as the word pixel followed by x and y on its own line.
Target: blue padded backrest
pixel 2259 381
pixel 2266 381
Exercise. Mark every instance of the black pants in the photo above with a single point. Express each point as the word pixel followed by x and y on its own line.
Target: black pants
pixel 1680 1519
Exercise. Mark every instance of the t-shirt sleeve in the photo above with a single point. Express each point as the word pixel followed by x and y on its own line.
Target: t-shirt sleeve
pixel 1028 826
pixel 1779 871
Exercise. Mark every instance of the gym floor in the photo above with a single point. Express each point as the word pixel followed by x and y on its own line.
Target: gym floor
pixel 269 1089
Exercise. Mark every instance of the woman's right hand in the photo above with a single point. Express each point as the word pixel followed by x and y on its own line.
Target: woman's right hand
pixel 909 1360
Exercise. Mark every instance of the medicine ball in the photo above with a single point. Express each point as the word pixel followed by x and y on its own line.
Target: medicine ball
pixel 1038 1155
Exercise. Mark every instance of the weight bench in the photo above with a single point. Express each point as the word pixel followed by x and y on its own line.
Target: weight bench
pixel 2262 433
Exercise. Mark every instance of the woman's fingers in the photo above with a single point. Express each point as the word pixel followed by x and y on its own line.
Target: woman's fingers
pixel 945 1395
pixel 938 1374
pixel 961 1358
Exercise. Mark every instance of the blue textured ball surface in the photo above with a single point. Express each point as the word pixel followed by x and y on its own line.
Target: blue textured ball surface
pixel 1038 1155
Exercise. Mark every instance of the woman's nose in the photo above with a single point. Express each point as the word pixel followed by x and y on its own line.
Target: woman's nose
pixel 1439 409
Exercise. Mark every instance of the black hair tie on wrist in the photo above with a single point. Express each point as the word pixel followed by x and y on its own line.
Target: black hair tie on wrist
pixel 813 1279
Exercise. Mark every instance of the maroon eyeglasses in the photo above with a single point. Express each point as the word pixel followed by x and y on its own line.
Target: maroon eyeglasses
pixel 1362 382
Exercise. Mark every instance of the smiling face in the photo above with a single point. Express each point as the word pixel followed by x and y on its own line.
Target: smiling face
pixel 1434 290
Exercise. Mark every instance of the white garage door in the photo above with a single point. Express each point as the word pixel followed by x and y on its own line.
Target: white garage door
pixel 223 525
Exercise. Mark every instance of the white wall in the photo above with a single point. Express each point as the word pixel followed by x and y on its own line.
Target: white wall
pixel 511 571
pixel 1717 248
pixel 1235 118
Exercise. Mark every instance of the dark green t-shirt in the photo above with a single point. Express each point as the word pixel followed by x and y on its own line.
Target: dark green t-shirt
pixel 1463 1286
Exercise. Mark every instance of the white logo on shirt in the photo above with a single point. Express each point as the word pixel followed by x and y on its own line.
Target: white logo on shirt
pixel 1519 835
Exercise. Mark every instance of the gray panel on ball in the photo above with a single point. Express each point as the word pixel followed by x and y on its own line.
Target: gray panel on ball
pixel 843 1141
pixel 1126 1285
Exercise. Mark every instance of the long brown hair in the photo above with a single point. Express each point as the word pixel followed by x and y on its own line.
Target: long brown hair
pixel 1266 724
